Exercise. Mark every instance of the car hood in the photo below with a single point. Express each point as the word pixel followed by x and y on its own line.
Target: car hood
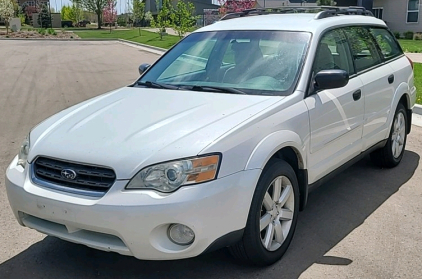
pixel 131 128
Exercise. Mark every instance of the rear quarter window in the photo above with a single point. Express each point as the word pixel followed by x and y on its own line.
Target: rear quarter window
pixel 386 42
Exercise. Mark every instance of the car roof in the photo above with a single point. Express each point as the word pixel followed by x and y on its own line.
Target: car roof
pixel 291 22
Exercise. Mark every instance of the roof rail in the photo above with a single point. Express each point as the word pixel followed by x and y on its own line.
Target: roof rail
pixel 352 10
pixel 322 11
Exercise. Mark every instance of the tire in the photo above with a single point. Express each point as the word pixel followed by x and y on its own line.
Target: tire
pixel 266 246
pixel 391 154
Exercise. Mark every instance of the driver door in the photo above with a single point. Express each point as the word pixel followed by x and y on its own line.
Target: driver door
pixel 335 115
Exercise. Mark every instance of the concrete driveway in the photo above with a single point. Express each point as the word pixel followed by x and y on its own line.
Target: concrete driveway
pixel 366 223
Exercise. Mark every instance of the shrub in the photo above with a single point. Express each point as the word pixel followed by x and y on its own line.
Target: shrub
pixel 41 31
pixel 418 36
pixel 51 31
pixel 121 20
pixel 408 35
pixel 397 35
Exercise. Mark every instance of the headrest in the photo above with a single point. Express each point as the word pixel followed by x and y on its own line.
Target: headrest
pixel 242 46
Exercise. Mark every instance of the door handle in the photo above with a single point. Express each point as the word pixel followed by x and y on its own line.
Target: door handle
pixel 391 79
pixel 357 95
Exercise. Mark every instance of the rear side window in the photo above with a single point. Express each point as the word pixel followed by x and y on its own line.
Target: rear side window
pixel 364 51
pixel 386 42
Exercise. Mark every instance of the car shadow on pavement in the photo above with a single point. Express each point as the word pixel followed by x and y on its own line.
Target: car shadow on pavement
pixel 334 210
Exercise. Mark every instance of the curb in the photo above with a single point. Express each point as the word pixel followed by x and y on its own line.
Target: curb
pixel 417 109
pixel 163 50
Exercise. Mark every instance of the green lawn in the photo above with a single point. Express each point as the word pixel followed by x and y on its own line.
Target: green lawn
pixel 146 37
pixel 418 81
pixel 414 46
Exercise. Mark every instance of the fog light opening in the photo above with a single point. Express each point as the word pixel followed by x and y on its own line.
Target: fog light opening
pixel 181 234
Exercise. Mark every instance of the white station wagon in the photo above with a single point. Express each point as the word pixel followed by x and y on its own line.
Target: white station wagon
pixel 218 142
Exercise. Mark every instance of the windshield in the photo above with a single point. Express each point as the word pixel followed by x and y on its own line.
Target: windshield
pixel 250 62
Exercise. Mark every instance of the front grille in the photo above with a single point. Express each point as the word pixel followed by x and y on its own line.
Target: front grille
pixel 90 180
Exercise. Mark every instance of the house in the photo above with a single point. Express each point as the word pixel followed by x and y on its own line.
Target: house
pixel 400 15
pixel 281 3
pixel 200 5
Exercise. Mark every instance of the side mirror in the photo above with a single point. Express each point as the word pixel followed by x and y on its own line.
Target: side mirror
pixel 330 79
pixel 143 68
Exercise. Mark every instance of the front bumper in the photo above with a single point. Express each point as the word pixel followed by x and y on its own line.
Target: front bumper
pixel 135 222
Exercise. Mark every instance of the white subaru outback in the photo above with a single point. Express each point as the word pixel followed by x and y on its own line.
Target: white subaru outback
pixel 219 141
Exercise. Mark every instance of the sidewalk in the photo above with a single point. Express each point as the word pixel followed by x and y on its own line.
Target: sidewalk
pixel 169 31
pixel 415 57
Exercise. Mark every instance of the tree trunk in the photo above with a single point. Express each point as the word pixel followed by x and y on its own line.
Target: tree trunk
pixel 99 20
pixel 7 27
pixel 110 27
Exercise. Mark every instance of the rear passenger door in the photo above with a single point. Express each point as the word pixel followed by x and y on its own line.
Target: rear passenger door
pixel 378 79
pixel 335 115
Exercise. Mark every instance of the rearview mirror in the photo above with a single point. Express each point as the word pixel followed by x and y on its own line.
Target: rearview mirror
pixel 330 79
pixel 143 68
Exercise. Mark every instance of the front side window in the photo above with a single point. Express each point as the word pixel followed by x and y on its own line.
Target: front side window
pixel 253 62
pixel 413 11
pixel 386 42
pixel 364 50
pixel 333 53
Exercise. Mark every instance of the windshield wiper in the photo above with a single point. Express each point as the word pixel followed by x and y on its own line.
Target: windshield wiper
pixel 152 84
pixel 217 88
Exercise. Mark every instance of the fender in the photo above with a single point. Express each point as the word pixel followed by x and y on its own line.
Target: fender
pixel 272 143
pixel 269 145
pixel 402 89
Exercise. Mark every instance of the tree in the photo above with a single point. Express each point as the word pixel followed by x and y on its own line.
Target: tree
pixel 326 3
pixel 110 13
pixel 183 17
pixel 148 17
pixel 234 6
pixel 163 17
pixel 75 12
pixel 95 6
pixel 6 12
pixel 138 13
pixel 66 13
pixel 44 17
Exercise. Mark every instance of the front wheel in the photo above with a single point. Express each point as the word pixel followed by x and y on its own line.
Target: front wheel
pixel 391 154
pixel 272 218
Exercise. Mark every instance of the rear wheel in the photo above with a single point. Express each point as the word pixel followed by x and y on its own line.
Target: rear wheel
pixel 272 218
pixel 391 154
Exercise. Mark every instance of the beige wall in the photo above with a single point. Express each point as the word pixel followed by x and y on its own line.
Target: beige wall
pixel 56 20
pixel 395 14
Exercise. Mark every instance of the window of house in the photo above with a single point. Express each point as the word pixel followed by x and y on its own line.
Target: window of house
pixel 413 11
pixel 378 12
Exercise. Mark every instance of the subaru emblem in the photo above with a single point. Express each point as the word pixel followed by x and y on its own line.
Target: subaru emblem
pixel 68 174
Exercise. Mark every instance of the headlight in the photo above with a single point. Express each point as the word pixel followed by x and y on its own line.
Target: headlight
pixel 169 176
pixel 23 152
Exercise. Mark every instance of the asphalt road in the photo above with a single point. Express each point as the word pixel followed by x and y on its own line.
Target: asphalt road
pixel 365 223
